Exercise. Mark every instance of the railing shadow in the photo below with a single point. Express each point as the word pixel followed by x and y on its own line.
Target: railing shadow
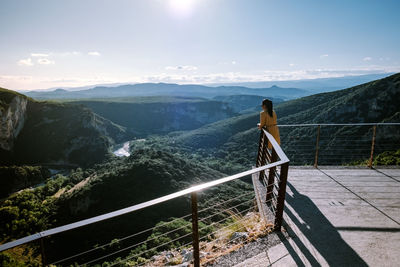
pixel 319 231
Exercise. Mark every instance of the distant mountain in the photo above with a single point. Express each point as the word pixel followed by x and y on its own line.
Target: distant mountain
pixel 375 101
pixel 35 132
pixel 157 89
pixel 79 88
pixel 315 86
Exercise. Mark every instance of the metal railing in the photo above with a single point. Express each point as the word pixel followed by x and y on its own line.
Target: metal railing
pixel 274 180
pixel 338 143
pixel 270 162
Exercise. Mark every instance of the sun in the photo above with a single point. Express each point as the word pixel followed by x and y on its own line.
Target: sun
pixel 182 7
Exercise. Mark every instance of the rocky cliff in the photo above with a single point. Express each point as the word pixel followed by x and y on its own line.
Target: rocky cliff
pixel 12 118
pixel 34 132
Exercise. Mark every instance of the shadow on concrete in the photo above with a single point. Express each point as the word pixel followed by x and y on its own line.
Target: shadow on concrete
pixel 369 229
pixel 319 232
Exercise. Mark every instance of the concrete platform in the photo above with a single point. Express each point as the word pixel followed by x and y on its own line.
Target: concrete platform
pixel 339 217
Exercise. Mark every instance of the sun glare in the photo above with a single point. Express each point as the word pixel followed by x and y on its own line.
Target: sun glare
pixel 182 7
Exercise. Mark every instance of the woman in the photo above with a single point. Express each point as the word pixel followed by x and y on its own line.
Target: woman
pixel 268 121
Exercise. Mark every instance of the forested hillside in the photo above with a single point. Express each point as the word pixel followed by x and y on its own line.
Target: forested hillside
pixel 121 182
pixel 376 101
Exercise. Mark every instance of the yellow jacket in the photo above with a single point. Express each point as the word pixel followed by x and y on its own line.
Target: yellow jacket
pixel 270 123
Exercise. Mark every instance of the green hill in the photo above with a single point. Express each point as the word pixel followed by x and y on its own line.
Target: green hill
pixel 376 101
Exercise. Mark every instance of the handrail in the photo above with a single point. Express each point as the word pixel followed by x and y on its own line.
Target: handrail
pixel 268 156
pixel 340 124
pixel 283 159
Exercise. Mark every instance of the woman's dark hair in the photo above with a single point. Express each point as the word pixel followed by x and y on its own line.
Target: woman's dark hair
pixel 268 103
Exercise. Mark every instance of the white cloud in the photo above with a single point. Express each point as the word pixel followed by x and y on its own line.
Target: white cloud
pixel 233 62
pixel 35 82
pixel 367 58
pixel 324 56
pixel 25 62
pixel 39 55
pixel 94 53
pixel 268 75
pixel 45 61
pixel 291 64
pixel 188 68
pixel 65 54
pixel 19 82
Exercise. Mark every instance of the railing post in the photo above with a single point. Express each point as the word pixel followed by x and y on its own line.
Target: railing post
pixel 42 252
pixel 261 153
pixel 317 147
pixel 281 197
pixel 195 231
pixel 271 176
pixel 260 149
pixel 371 158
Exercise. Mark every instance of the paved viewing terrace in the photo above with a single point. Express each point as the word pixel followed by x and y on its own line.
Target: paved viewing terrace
pixel 338 216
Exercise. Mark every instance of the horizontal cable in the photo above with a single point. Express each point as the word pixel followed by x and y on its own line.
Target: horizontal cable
pixel 116 252
pixel 136 255
pixel 222 211
pixel 122 239
pixel 226 226
pixel 106 216
pixel 218 222
pixel 223 202
pixel 341 124
pixel 231 240
pixel 130 236
pixel 137 244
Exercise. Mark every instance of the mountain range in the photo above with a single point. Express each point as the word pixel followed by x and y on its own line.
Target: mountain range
pixel 318 85
pixel 157 89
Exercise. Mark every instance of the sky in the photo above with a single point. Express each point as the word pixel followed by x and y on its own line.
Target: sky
pixel 54 43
